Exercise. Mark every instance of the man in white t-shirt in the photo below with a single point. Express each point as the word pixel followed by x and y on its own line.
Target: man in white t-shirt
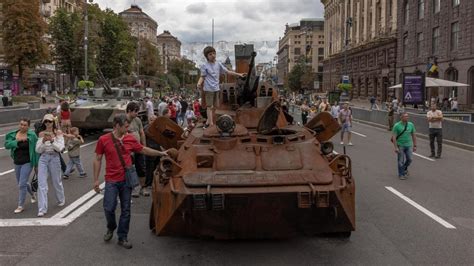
pixel 454 105
pixel 150 112
pixel 435 118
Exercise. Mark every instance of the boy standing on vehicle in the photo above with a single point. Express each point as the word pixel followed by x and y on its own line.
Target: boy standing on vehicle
pixel 209 82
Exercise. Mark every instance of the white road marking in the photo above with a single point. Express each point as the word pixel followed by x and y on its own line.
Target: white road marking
pixel 82 146
pixel 3 135
pixel 7 172
pixel 64 217
pixel 359 134
pixel 422 209
pixel 424 157
pixel 2 148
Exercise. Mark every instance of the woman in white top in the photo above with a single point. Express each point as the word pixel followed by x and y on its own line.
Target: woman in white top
pixel 50 144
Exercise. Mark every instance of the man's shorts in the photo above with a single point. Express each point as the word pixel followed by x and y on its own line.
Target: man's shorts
pixel 346 127
pixel 212 98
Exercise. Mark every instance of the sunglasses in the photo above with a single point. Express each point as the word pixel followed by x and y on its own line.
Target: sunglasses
pixel 48 121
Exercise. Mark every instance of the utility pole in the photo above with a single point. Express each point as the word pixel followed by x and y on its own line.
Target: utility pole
pixel 86 39
pixel 346 42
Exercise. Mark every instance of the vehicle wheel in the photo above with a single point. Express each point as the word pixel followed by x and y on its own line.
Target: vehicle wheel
pixel 151 223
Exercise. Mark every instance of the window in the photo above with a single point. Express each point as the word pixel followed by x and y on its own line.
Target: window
pixel 435 41
pixel 389 8
pixel 405 48
pixel 407 13
pixel 419 43
pixel 436 4
pixel 455 3
pixel 297 51
pixel 320 51
pixel 421 9
pixel 454 36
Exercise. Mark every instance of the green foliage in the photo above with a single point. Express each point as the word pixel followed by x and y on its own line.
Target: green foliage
pixel 149 58
pixel 344 86
pixel 116 47
pixel 22 31
pixel 173 82
pixel 295 76
pixel 178 67
pixel 85 84
pixel 66 31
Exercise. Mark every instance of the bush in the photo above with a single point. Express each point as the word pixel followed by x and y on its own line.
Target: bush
pixel 85 84
pixel 344 86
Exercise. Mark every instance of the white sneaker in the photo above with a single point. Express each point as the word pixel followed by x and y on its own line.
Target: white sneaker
pixel 61 203
pixel 350 144
pixel 342 142
pixel 18 210
pixel 33 197
pixel 41 214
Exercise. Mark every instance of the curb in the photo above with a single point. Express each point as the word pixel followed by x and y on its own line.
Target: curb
pixel 423 136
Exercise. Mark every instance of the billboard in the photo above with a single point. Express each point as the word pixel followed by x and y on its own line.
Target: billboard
pixel 413 88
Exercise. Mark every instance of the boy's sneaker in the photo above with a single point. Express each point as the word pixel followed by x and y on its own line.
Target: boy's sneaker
pixel 108 235
pixel 65 177
pixel 83 175
pixel 61 203
pixel 41 214
pixel 33 197
pixel 145 191
pixel 350 144
pixel 124 243
pixel 342 142
pixel 136 192
pixel 402 177
pixel 18 210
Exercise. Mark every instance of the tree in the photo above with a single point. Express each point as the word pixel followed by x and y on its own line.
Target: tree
pixel 116 47
pixel 149 58
pixel 66 36
pixel 180 68
pixel 295 77
pixel 23 28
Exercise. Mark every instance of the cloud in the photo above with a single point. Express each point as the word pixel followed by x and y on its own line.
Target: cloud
pixel 235 20
pixel 197 8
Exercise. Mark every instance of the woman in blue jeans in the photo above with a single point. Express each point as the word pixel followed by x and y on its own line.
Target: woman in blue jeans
pixel 50 144
pixel 21 143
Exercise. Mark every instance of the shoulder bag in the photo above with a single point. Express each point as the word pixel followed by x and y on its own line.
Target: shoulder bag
pixel 131 177
pixel 405 129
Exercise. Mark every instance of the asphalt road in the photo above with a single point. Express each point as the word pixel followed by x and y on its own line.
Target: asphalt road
pixel 389 230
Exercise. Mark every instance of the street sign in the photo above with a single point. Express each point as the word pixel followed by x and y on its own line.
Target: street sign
pixel 413 88
pixel 345 79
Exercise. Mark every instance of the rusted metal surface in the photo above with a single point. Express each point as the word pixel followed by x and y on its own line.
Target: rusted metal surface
pixel 260 178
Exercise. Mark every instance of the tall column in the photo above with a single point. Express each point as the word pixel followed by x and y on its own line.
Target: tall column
pixel 359 24
pixel 366 20
pixel 383 16
pixel 374 19
pixel 394 16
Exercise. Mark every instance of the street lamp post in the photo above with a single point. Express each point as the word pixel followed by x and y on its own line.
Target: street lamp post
pixel 346 43
pixel 86 39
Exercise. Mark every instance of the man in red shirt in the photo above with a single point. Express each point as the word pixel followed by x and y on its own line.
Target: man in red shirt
pixel 115 184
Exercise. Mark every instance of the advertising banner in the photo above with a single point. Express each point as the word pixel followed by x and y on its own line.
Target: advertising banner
pixel 413 88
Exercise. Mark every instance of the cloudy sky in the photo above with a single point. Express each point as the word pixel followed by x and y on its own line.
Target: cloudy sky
pixel 243 21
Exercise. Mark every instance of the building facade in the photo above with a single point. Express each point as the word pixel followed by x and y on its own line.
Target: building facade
pixel 49 7
pixel 169 48
pixel 438 32
pixel 141 25
pixel 361 42
pixel 302 41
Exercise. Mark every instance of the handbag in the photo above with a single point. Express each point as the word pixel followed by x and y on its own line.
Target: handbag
pixel 34 182
pixel 405 129
pixel 131 177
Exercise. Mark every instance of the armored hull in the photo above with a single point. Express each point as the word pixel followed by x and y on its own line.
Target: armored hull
pixel 98 110
pixel 252 175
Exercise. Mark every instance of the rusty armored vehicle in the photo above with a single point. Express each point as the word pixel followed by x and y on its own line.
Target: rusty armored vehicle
pixel 252 175
pixel 97 110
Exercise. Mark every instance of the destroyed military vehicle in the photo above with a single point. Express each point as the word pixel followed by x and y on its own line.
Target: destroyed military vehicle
pixel 252 175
